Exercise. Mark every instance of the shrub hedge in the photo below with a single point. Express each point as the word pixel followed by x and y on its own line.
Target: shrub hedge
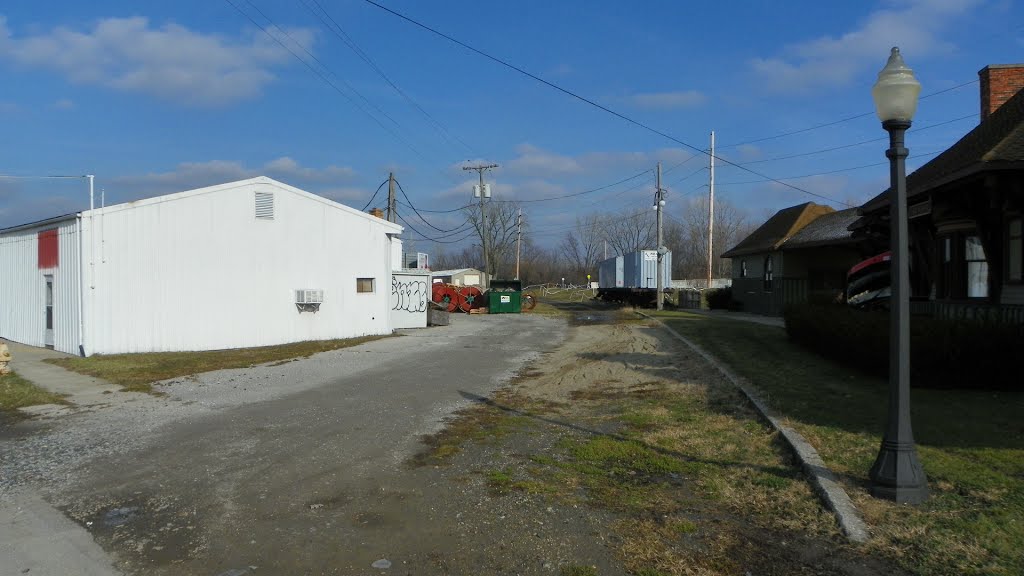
pixel 720 299
pixel 943 353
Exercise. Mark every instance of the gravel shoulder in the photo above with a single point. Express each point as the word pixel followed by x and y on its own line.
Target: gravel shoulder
pixel 508 445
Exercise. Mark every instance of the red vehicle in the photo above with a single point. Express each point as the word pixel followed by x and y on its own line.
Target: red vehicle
pixel 867 283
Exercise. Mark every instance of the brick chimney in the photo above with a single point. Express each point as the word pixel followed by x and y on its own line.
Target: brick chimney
pixel 377 212
pixel 999 82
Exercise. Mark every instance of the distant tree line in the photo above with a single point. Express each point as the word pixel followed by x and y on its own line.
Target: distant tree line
pixel 597 235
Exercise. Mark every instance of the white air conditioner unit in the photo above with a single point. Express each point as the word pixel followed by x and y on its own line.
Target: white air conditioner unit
pixel 308 300
pixel 309 296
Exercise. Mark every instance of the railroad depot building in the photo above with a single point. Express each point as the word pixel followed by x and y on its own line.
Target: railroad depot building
pixel 248 263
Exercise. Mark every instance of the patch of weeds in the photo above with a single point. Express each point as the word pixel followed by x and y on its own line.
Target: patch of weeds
pixel 683 526
pixel 499 481
pixel 17 392
pixel 642 419
pixel 625 455
pixel 771 481
pixel 483 422
pixel 543 460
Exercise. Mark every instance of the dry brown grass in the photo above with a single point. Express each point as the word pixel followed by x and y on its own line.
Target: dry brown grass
pixel 137 372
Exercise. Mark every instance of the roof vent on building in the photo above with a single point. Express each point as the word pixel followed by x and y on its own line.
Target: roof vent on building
pixel 265 205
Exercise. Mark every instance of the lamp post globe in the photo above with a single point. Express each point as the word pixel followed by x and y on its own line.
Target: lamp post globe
pixel 897 473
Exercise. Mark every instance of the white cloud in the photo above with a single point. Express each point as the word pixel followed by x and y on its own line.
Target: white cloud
pixel 189 175
pixel 169 62
pixel 533 161
pixel 668 100
pixel 286 167
pixel 64 104
pixel 916 26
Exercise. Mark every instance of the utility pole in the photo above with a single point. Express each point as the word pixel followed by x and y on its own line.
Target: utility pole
pixel 711 212
pixel 392 213
pixel 483 192
pixel 519 240
pixel 659 204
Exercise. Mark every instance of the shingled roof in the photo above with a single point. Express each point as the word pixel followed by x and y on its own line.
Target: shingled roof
pixel 779 228
pixel 997 143
pixel 825 230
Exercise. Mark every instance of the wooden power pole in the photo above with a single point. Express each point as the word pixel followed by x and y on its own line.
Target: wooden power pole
pixel 392 213
pixel 711 213
pixel 659 204
pixel 482 192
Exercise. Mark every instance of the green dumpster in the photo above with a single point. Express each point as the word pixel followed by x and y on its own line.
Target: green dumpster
pixel 505 297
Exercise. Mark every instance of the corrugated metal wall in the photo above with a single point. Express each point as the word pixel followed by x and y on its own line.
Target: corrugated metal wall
pixel 199 271
pixel 640 269
pixel 23 287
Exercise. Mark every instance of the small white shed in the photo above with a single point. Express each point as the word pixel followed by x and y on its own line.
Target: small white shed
pixel 461 277
pixel 248 263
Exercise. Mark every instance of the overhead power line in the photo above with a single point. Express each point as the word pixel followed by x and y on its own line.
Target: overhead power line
pixel 854 144
pixel 374 195
pixel 574 194
pixel 840 121
pixel 325 17
pixel 417 212
pixel 324 78
pixel 591 102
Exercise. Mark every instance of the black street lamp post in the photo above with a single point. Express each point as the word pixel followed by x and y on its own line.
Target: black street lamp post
pixel 897 473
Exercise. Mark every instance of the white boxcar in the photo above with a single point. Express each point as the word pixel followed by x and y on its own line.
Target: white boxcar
pixel 609 273
pixel 249 263
pixel 640 269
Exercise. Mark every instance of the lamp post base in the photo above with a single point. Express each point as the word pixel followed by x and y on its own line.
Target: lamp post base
pixel 897 474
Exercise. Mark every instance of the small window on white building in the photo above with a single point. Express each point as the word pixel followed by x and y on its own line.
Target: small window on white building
pixel 264 205
pixel 365 285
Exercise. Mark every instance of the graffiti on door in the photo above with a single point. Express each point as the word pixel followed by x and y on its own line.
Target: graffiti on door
pixel 409 295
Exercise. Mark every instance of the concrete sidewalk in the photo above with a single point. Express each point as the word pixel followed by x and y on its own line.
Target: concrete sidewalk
pixel 82 392
pixel 36 539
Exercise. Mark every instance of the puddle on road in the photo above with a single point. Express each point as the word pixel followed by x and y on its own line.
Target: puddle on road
pixel 118 516
pixel 592 318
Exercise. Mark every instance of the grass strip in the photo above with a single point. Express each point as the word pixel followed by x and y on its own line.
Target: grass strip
pixel 138 372
pixel 17 392
pixel 971 444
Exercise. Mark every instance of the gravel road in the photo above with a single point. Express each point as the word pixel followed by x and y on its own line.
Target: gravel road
pixel 241 468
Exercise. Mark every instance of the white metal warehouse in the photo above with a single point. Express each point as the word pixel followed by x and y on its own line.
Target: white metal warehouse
pixel 248 263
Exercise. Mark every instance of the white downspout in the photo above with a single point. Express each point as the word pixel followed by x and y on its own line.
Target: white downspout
pixel 81 286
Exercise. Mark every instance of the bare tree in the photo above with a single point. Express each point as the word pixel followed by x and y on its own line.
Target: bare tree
pixel 501 220
pixel 581 247
pixel 688 238
pixel 540 265
pixel 631 232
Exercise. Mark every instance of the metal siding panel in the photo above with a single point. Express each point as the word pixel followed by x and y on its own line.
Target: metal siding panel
pixel 165 283
pixel 22 288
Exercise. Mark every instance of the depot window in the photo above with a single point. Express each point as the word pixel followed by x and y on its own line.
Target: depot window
pixel 1014 251
pixel 963 267
pixel 365 285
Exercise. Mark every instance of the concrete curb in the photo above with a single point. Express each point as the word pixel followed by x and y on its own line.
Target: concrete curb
pixel 824 481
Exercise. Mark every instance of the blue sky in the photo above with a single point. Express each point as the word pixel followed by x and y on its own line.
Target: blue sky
pixel 159 97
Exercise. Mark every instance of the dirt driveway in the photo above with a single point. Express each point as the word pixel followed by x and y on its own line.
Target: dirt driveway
pixel 615 451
